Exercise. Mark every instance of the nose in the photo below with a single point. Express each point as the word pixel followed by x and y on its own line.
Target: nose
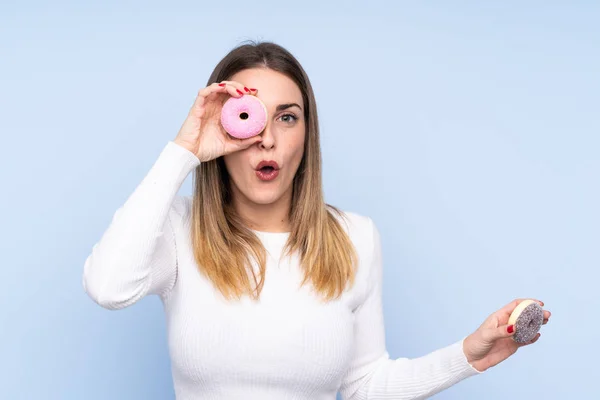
pixel 268 140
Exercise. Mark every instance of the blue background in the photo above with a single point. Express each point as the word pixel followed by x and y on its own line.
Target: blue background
pixel 468 131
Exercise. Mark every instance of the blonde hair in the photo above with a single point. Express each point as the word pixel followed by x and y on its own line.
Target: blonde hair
pixel 224 247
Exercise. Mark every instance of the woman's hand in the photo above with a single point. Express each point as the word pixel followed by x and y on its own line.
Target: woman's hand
pixel 202 133
pixel 492 343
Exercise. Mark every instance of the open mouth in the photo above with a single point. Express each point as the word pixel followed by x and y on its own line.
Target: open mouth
pixel 267 170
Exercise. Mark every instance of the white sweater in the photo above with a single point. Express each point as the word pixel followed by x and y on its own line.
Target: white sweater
pixel 287 345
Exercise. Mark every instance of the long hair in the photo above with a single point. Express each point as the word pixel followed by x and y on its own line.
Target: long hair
pixel 224 248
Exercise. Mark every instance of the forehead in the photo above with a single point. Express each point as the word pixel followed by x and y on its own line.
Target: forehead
pixel 273 87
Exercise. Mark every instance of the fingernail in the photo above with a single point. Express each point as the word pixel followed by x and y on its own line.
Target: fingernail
pixel 239 91
pixel 510 329
pixel 221 84
pixel 246 89
pixel 254 90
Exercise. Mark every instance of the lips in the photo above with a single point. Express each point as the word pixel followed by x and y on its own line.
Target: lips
pixel 267 164
pixel 267 170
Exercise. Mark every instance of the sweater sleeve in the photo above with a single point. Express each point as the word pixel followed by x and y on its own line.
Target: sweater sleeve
pixel 136 255
pixel 373 375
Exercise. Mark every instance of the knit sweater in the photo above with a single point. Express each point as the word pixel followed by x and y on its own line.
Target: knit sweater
pixel 287 345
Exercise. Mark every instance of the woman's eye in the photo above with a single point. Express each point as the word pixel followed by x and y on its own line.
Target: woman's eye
pixel 288 118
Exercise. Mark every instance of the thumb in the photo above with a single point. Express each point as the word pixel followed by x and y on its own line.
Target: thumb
pixel 234 144
pixel 504 331
pixel 245 143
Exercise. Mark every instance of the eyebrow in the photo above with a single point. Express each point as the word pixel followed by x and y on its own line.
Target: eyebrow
pixel 282 107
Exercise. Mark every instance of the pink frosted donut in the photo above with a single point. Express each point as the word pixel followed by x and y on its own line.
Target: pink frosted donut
pixel 244 117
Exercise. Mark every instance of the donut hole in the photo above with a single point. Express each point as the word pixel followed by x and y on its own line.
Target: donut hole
pixel 244 115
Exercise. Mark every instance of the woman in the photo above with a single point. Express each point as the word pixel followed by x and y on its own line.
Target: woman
pixel 269 292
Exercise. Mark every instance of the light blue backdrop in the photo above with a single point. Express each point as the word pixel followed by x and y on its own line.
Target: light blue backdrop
pixel 468 131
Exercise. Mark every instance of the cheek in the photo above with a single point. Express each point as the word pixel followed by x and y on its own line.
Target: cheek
pixel 234 163
pixel 297 148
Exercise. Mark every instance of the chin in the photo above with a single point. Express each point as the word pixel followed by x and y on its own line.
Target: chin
pixel 264 197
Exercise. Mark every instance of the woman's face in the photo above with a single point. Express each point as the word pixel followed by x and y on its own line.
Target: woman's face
pixel 282 140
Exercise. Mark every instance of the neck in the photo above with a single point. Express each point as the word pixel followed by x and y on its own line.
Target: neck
pixel 272 217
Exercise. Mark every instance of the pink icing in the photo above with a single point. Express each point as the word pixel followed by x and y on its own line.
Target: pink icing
pixel 233 111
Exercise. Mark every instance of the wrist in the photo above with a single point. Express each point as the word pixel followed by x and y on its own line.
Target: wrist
pixel 469 356
pixel 466 347
pixel 185 145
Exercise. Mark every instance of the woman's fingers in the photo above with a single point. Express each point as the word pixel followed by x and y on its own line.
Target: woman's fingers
pixel 201 99
pixel 510 307
pixel 547 315
pixel 233 144
pixel 223 87
pixel 234 89
pixel 210 92
pixel 212 88
pixel 239 88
